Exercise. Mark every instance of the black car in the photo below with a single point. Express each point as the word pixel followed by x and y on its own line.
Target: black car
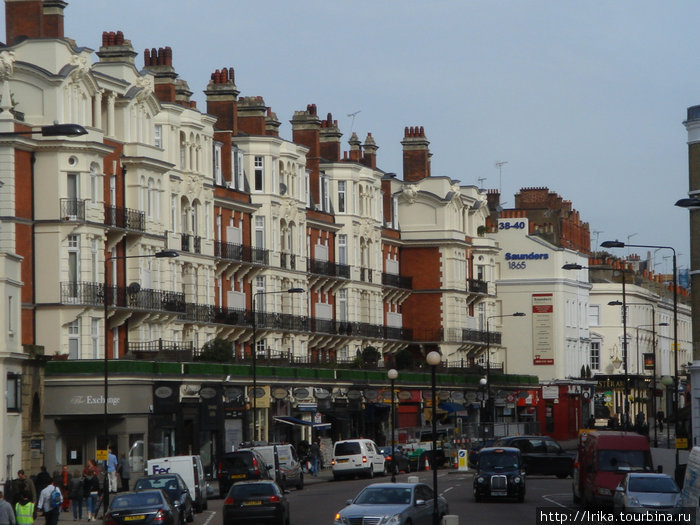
pixel 474 449
pixel 256 502
pixel 145 507
pixel 239 466
pixel 541 455
pixel 176 489
pixel 395 457
pixel 499 474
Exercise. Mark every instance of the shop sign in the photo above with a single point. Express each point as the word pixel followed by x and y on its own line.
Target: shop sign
pixel 321 393
pixel 301 393
pixel 207 392
pixel 550 392
pixel 457 395
pixel 86 400
pixel 542 320
pixel 404 395
pixel 371 395
pixel 354 395
pixel 279 393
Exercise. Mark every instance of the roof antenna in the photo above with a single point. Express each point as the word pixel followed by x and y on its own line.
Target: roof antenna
pixel 481 182
pixel 499 164
pixel 353 115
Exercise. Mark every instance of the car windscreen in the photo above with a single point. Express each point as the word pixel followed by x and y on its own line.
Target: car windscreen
pixel 169 483
pixel 653 484
pixel 237 462
pixel 136 500
pixel 384 496
pixel 624 460
pixel 498 461
pixel 252 490
pixel 347 449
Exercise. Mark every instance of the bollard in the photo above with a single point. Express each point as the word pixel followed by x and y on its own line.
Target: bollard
pixel 463 460
pixel 413 479
pixel 450 519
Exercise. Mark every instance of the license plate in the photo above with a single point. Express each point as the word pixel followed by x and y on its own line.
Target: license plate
pixel 237 476
pixel 343 460
pixel 252 502
pixel 499 493
pixel 138 517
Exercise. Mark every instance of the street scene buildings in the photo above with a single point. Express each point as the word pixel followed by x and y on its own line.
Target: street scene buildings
pixel 181 279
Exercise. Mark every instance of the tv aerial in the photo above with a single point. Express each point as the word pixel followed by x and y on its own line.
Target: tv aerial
pixel 353 115
pixel 499 164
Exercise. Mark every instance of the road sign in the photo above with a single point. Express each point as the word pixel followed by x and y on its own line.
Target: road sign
pixel 101 455
pixel 462 460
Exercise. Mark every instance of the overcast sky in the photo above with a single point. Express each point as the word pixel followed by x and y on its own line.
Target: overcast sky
pixel 585 98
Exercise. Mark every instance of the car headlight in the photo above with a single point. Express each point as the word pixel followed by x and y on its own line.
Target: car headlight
pixel 480 479
pixel 390 520
pixel 634 502
pixel 339 520
pixel 516 479
pixel 604 492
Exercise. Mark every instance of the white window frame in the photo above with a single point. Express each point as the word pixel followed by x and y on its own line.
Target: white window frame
pixel 259 173
pixel 74 338
pixel 158 136
pixel 594 357
pixel 342 204
pixel 342 248
pixel 218 174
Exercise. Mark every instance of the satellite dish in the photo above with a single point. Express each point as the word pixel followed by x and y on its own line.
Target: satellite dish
pixel 134 288
pixel 283 188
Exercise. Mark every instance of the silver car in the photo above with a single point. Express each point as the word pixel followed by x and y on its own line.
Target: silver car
pixel 392 504
pixel 641 492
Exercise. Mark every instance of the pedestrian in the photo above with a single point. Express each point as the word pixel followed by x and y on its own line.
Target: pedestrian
pixel 24 484
pixel 43 478
pixel 50 500
pixel 76 495
pixel 24 510
pixel 63 483
pixel 112 470
pixel 660 420
pixel 7 515
pixel 91 490
pixel 315 456
pixel 124 471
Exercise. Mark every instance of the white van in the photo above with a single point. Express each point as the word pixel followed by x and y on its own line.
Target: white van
pixel 190 468
pixel 286 467
pixel 354 457
pixel 690 493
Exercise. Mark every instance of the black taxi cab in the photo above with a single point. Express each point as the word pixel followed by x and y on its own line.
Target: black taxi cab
pixel 499 474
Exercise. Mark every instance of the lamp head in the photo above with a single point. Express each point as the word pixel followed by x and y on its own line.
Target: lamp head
pixel 392 373
pixel 433 358
pixel 615 303
pixel 296 290
pixel 612 244
pixel 519 314
pixel 663 324
pixel 166 253
pixel 63 130
pixel 482 381
pixel 692 202
pixel 572 266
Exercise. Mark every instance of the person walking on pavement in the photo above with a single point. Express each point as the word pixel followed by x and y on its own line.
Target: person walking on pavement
pixel 50 500
pixel 18 486
pixel 124 471
pixel 7 515
pixel 315 456
pixel 43 478
pixel 63 482
pixel 24 510
pixel 75 493
pixel 91 490
pixel 112 470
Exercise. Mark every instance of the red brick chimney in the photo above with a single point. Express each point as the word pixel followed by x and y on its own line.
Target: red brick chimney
pixel 252 115
pixel 416 155
pixel 115 48
pixel 355 148
pixel 160 63
pixel 272 125
pixel 222 99
pixel 370 148
pixel 306 128
pixel 330 139
pixel 33 19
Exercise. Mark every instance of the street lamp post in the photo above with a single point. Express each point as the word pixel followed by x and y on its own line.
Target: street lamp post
pixel 433 358
pixel 54 130
pixel 667 381
pixel 619 244
pixel 490 403
pixel 255 354
pixel 392 374
pixel 105 297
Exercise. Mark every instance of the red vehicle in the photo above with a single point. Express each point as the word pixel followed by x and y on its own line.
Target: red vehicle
pixel 603 458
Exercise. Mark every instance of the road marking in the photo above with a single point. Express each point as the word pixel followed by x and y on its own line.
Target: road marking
pixel 549 496
pixel 211 515
pixel 446 491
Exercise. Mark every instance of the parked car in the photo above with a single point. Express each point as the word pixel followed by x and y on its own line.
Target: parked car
pixel 146 506
pixel 176 489
pixel 397 457
pixel 540 455
pixel 499 474
pixel 641 492
pixel 240 465
pixel 256 502
pixel 395 503
pixel 355 457
pixel 283 463
pixel 191 470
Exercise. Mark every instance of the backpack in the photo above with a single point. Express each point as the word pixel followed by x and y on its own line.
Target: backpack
pixel 56 499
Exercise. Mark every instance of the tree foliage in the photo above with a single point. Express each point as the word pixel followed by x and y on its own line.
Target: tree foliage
pixel 217 351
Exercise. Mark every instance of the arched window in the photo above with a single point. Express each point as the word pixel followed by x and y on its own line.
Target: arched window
pixel 151 198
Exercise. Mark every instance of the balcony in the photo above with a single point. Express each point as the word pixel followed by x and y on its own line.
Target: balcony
pixel 328 268
pixel 477 286
pixel 479 336
pixel 366 275
pixel 161 350
pixel 125 218
pixel 87 293
pixel 233 252
pixel 397 281
pixel 288 261
pixel 72 209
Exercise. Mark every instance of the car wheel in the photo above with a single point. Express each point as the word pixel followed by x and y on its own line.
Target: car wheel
pixel 370 474
pixel 190 516
pixel 336 477
pixel 300 485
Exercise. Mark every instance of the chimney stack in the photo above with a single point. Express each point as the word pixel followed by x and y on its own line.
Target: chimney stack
pixel 306 128
pixel 252 115
pixel 115 48
pixel 159 62
pixel 416 155
pixel 370 152
pixel 355 148
pixel 222 99
pixel 33 19
pixel 272 125
pixel 330 139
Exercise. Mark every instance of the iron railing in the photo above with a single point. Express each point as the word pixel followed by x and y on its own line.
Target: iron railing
pixel 477 286
pixel 125 218
pixel 72 209
pixel 397 281
pixel 366 275
pixel 89 293
pixel 288 260
pixel 329 268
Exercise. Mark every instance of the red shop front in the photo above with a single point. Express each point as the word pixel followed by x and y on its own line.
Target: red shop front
pixel 564 408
